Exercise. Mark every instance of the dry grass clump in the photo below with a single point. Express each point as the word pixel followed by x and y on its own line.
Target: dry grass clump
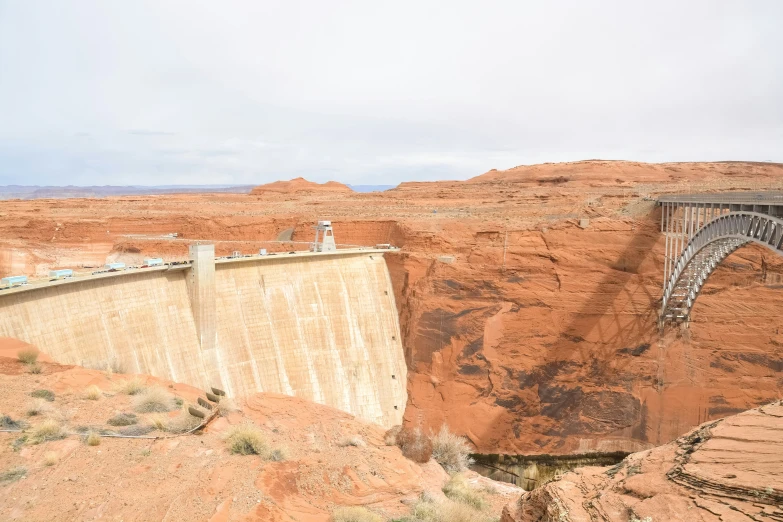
pixel 246 439
pixel 458 490
pixel 93 393
pixel 92 438
pixel 355 440
pixel 13 474
pixel 43 394
pixel 354 514
pixel 38 407
pixel 390 437
pixel 27 356
pixel 182 423
pixel 34 368
pixel 131 386
pixel 137 430
pixel 159 422
pixel 428 509
pixel 123 419
pixel 225 406
pixel 51 458
pixel 414 444
pixel 49 429
pixel 451 451
pixel 154 399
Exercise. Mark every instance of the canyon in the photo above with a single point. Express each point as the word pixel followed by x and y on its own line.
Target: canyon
pixel 527 299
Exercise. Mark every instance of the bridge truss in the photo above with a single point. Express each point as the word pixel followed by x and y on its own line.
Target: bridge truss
pixel 701 230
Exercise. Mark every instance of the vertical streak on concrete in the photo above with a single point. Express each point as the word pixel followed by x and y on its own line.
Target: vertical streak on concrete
pixel 204 305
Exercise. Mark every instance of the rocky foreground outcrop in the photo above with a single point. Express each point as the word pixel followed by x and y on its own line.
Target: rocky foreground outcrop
pixel 725 470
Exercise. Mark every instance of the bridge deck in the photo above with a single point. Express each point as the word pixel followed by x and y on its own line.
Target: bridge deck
pixel 734 198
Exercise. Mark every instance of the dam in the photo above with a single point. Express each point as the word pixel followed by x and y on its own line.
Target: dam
pixel 317 325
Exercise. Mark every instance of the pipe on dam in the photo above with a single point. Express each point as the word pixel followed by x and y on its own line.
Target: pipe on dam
pixel 323 327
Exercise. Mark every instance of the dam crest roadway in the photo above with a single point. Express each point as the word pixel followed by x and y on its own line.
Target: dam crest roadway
pixel 701 230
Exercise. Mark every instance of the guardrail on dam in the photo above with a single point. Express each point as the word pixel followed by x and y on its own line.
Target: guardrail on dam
pixel 322 326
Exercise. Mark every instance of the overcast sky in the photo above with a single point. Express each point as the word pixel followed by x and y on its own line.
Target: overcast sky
pixel 208 92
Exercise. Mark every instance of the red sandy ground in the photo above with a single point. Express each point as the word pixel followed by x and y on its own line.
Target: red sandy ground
pixel 540 336
pixel 194 477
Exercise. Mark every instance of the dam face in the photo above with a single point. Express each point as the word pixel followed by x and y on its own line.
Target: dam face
pixel 319 326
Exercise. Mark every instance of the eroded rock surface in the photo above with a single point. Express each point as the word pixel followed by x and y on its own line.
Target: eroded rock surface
pixel 726 470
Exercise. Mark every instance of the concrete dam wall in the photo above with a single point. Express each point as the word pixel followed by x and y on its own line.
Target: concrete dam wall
pixel 319 326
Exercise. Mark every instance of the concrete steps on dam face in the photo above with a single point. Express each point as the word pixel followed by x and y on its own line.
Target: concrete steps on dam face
pixel 322 327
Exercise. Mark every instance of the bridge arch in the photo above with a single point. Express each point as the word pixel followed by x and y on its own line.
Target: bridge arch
pixel 707 249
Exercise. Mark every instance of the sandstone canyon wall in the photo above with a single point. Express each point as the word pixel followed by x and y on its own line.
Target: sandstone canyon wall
pixel 324 328
pixel 521 329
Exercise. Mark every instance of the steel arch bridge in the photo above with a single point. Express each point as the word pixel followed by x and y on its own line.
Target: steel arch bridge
pixel 701 231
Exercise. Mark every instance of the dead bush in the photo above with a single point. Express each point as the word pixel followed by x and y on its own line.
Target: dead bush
pixel 38 407
pixel 390 437
pixel 430 510
pixel 123 419
pixel 154 399
pixel 13 474
pixel 27 356
pixel 182 423
pixel 34 368
pixel 43 394
pixel 458 490
pixel 355 514
pixel 137 430
pixel 451 451
pixel 50 458
pixel 93 393
pixel 414 444
pixel 49 429
pixel 246 439
pixel 355 440
pixel 131 386
pixel 92 438
pixel 7 423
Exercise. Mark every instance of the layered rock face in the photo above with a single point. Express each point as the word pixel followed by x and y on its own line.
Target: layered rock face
pixel 729 469
pixel 527 298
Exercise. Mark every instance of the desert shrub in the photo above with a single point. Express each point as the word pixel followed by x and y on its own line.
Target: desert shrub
pixel 38 407
pixel 13 474
pixel 34 368
pixel 451 451
pixel 430 510
pixel 28 355
pixel 414 444
pixel 225 406
pixel 159 422
pixel 354 514
pixel 93 393
pixel 123 419
pixel 49 429
pixel 183 422
pixel 246 439
pixel 277 455
pixel 458 490
pixel 50 458
pixel 43 394
pixel 390 437
pixel 131 386
pixel 137 430
pixel 355 440
pixel 154 399
pixel 7 423
pixel 92 438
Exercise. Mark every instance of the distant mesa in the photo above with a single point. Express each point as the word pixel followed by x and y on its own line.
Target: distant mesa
pixel 300 185
pixel 611 172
